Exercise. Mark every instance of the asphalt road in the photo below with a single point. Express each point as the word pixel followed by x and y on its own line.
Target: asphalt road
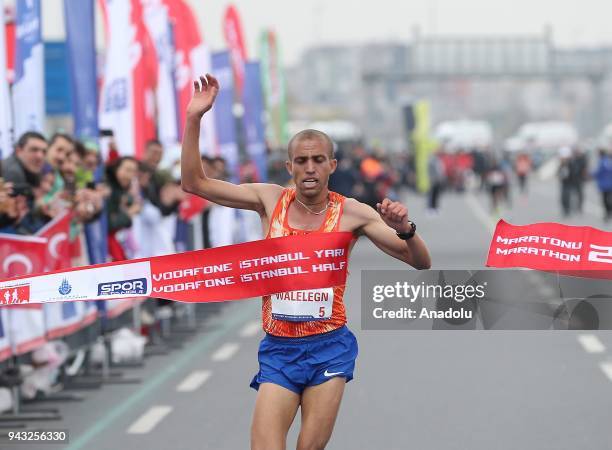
pixel 412 389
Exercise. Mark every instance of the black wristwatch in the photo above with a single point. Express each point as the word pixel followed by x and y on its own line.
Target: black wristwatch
pixel 410 234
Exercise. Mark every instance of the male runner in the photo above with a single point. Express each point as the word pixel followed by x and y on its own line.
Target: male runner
pixel 303 363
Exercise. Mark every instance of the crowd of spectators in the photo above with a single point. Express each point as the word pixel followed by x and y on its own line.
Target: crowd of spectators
pixel 43 178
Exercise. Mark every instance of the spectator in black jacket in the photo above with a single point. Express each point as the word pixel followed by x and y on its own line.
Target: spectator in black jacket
pixel 23 169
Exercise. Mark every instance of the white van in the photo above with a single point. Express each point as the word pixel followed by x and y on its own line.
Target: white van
pixel 465 135
pixel 546 137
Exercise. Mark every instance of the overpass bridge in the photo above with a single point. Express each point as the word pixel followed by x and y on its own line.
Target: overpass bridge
pixel 448 58
pixel 439 59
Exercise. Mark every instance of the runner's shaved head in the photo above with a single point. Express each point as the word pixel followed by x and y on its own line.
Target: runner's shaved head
pixel 311 135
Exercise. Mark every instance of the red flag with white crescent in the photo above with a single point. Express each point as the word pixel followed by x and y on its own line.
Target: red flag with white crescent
pixel 21 255
pixel 58 249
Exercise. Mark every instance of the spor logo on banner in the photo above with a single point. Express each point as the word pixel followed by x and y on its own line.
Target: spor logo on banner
pixel 136 286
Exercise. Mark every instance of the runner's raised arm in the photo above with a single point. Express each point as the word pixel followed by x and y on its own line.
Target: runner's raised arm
pixel 193 177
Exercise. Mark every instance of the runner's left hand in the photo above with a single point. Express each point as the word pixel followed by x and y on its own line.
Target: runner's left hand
pixel 394 214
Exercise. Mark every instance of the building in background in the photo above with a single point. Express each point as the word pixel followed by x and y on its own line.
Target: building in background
pixel 506 81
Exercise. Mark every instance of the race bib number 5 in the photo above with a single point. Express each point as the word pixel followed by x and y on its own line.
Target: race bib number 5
pixel 303 306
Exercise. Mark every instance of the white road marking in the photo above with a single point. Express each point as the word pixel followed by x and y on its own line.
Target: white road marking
pixel 149 420
pixel 591 343
pixel 194 380
pixel 607 369
pixel 250 329
pixel 480 213
pixel 225 352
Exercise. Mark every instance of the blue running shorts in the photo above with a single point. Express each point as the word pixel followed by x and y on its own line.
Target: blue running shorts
pixel 296 363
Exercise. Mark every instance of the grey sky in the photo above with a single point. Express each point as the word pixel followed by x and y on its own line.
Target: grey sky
pixel 301 23
pixel 305 22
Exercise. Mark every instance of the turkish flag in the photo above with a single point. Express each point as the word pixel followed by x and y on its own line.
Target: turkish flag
pixel 22 255
pixel 58 249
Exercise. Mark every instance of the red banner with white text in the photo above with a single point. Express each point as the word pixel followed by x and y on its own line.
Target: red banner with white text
pixel 551 247
pixel 224 273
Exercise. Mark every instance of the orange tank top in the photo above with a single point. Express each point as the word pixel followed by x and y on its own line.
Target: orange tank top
pixel 303 313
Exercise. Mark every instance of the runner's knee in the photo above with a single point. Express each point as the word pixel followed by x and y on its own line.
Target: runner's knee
pixel 262 440
pixel 311 442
